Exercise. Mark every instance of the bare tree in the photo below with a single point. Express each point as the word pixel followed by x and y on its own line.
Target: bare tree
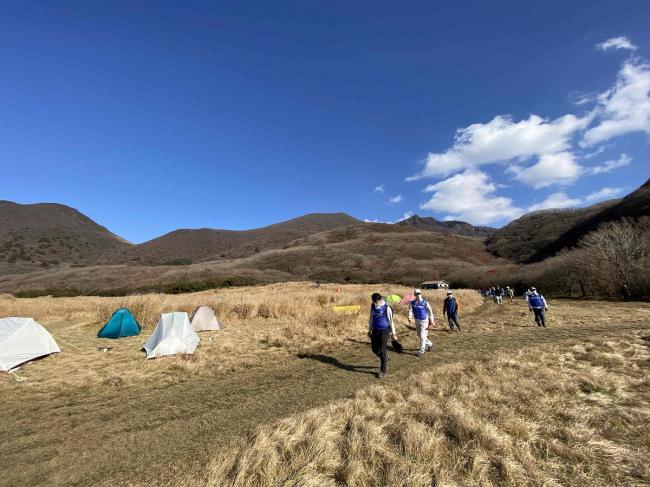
pixel 617 251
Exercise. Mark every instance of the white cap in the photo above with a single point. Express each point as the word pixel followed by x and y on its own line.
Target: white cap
pixel 417 291
pixel 450 292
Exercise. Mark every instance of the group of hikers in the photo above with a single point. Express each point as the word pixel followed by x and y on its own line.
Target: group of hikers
pixel 381 327
pixel 497 293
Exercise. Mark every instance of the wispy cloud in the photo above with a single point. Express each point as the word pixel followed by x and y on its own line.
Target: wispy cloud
pixel 603 194
pixel 396 199
pixel 379 189
pixel 556 200
pixel 616 43
pixel 609 166
pixel 623 109
pixel 406 215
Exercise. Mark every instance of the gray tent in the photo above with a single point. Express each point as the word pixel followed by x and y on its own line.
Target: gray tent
pixel 204 319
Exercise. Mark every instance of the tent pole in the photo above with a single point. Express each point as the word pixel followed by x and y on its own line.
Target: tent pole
pixel 63 341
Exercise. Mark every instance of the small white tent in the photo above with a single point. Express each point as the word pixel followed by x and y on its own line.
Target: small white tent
pixel 22 340
pixel 204 319
pixel 173 335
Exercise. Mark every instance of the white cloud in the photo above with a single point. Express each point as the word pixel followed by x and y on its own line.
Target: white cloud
pixel 621 42
pixel 396 199
pixel 379 189
pixel 625 108
pixel 583 98
pixel 598 151
pixel 560 168
pixel 503 139
pixel 603 194
pixel 470 196
pixel 540 152
pixel 608 166
pixel 556 200
pixel 406 215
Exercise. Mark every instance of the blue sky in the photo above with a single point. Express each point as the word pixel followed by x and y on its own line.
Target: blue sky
pixel 152 116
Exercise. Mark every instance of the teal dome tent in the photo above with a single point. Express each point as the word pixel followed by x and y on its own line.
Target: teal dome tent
pixel 121 324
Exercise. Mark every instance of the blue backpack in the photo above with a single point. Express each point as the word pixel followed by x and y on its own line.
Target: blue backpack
pixel 536 301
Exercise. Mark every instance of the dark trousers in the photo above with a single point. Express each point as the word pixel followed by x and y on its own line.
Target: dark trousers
pixel 539 316
pixel 453 321
pixel 626 298
pixel 379 341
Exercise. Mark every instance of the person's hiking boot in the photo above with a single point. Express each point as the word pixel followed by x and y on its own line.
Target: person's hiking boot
pixel 428 349
pixel 381 375
pixel 419 354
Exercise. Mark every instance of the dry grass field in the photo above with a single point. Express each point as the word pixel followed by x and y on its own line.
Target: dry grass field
pixel 559 415
pixel 286 395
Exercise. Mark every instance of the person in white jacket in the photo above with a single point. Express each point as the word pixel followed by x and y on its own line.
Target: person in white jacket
pixel 420 309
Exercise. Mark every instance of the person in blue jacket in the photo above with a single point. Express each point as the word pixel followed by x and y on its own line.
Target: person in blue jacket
pixel 537 304
pixel 380 327
pixel 451 307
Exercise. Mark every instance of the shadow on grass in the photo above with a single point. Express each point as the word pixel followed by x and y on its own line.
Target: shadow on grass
pixel 326 359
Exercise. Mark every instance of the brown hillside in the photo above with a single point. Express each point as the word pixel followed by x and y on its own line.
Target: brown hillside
pixel 187 246
pixel 46 234
pixel 365 253
pixel 634 205
pixel 430 224
pixel 522 238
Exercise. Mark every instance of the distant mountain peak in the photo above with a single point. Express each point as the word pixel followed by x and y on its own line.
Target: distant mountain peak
pixel 431 224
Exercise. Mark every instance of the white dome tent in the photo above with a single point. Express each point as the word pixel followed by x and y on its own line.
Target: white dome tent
pixel 172 335
pixel 205 319
pixel 22 340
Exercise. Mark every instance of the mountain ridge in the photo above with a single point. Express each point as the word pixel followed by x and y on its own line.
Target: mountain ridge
pixel 42 235
pixel 430 224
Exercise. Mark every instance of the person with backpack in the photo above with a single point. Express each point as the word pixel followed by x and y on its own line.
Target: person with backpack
pixel 421 310
pixel 537 304
pixel 380 327
pixel 627 294
pixel 450 307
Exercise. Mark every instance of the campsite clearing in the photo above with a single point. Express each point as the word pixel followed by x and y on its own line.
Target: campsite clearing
pixel 86 417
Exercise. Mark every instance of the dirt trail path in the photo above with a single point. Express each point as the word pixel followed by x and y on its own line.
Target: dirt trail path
pixel 144 434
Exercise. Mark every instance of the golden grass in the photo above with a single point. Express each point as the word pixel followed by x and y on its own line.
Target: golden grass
pixel 260 322
pixel 554 416
pixel 84 417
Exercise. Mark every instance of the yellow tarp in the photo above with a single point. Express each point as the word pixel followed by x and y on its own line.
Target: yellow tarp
pixel 347 309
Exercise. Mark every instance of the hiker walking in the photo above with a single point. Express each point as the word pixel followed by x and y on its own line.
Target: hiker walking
pixel 498 295
pixel 627 294
pixel 450 307
pixel 380 327
pixel 421 310
pixel 537 304
pixel 510 295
